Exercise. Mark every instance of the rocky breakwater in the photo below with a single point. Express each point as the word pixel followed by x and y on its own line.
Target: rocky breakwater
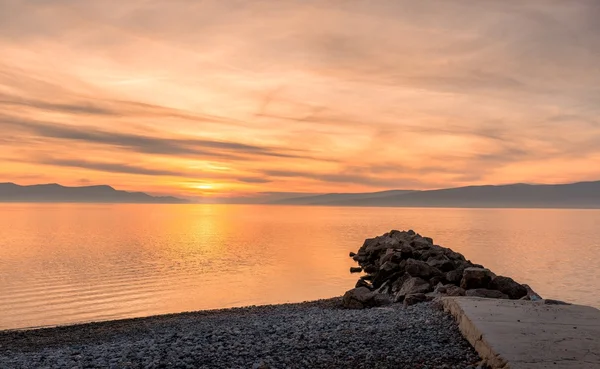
pixel 403 266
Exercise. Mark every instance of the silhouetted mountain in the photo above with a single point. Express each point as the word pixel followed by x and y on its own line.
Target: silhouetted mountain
pixel 10 192
pixel 338 198
pixel 576 195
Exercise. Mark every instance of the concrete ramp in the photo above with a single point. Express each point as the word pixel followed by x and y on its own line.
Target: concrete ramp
pixel 529 335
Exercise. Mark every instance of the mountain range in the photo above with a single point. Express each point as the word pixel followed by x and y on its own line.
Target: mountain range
pixel 579 195
pixel 520 195
pixel 10 192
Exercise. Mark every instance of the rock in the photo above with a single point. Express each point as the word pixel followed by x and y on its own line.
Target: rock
pixel 484 292
pixel 417 268
pixel 452 255
pixel 455 276
pixel 476 278
pixel 380 299
pixel 357 298
pixel 362 297
pixel 352 254
pixel 414 299
pixel 509 287
pixel 440 289
pixel 367 277
pixel 434 281
pixel 362 283
pixel 441 262
pixel 384 273
pixel 355 269
pixel 370 268
pixel 533 296
pixel 452 290
pixel 411 286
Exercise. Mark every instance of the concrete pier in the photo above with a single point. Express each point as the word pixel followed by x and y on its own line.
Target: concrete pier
pixel 529 335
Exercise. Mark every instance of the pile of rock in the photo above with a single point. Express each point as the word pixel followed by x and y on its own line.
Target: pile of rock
pixel 403 266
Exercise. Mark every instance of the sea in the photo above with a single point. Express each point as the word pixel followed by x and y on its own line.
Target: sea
pixel 73 263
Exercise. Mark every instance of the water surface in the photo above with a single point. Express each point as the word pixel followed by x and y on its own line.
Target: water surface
pixel 69 263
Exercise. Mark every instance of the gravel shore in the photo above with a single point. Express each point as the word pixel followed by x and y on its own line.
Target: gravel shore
pixel 315 334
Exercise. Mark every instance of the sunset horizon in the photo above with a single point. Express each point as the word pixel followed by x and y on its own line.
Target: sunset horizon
pixel 299 97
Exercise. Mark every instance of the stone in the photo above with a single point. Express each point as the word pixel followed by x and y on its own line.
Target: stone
pixel 370 268
pixel 455 276
pixel 453 255
pixel 531 294
pixel 414 298
pixel 420 243
pixel 509 287
pixel 411 286
pixel 352 254
pixel 362 297
pixel 452 290
pixel 417 268
pixel 381 299
pixel 476 278
pixel 355 269
pixel 357 298
pixel 441 262
pixel 362 283
pixel 484 292
pixel 385 271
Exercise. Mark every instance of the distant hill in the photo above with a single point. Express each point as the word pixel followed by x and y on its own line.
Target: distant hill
pixel 580 195
pixel 338 198
pixel 10 192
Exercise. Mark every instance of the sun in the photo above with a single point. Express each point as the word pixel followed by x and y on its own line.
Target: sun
pixel 205 186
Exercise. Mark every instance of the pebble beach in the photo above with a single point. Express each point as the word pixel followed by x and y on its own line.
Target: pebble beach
pixel 318 334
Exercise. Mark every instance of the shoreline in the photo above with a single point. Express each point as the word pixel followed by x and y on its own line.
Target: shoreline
pixel 312 334
pixel 102 326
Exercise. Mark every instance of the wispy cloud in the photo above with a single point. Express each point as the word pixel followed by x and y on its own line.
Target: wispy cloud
pixel 300 97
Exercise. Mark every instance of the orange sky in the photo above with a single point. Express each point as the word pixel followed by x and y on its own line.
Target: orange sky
pixel 231 98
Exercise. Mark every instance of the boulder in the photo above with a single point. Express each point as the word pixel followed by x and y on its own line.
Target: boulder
pixel 384 273
pixel 417 268
pixel 452 290
pixel 484 292
pixel 381 299
pixel 357 298
pixel 370 268
pixel 362 283
pixel 531 294
pixel 415 298
pixel 455 276
pixel 476 278
pixel 362 297
pixel 441 262
pixel 452 255
pixel 411 286
pixel 420 243
pixel 355 269
pixel 352 254
pixel 509 287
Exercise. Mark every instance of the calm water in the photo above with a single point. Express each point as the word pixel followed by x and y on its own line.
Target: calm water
pixel 63 264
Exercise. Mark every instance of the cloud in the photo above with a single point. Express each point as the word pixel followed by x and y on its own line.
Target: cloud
pixel 254 180
pixel 110 167
pixel 302 97
pixel 142 143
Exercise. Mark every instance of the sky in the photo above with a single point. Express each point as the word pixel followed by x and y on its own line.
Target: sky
pixel 222 99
